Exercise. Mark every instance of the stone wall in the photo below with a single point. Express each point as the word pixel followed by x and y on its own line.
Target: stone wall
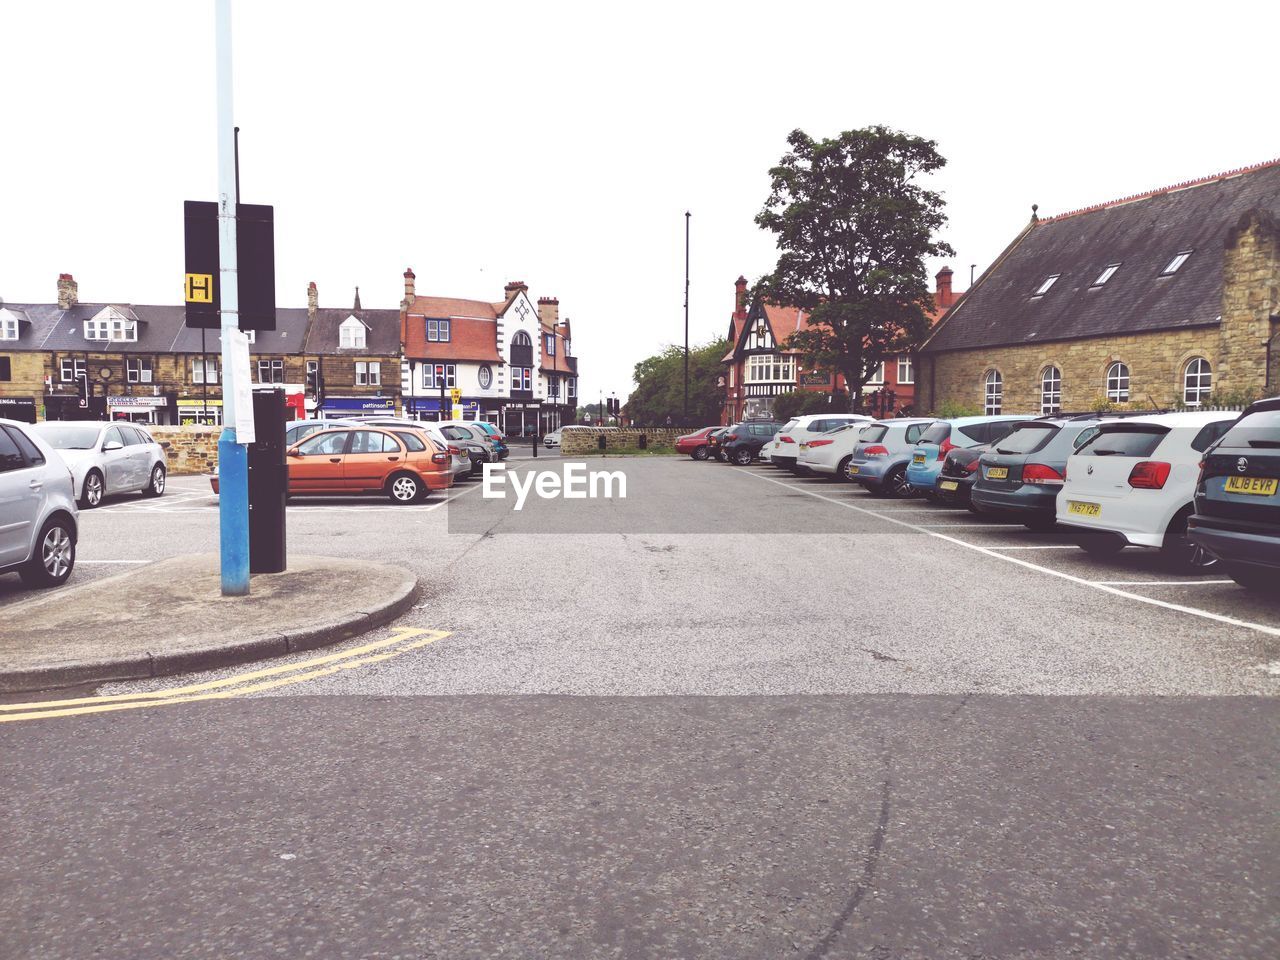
pixel 189 450
pixel 584 441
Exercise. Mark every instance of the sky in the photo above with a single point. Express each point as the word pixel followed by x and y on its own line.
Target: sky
pixel 562 143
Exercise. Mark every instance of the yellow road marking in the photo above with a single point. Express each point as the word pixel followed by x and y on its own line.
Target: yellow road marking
pixel 235 686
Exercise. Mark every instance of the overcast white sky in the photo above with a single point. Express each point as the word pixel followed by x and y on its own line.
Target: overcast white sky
pixel 561 143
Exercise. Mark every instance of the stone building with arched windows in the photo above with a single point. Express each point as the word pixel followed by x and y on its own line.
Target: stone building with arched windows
pixel 1164 299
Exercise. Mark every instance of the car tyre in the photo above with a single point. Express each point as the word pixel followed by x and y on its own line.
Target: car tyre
pixel 1181 555
pixel 54 557
pixel 156 487
pixel 742 456
pixel 842 470
pixel 1251 578
pixel 699 453
pixel 405 488
pixel 93 490
pixel 895 485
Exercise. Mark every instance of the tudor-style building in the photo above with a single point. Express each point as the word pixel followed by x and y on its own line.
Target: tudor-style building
pixel 511 360
pixel 1161 299
pixel 760 366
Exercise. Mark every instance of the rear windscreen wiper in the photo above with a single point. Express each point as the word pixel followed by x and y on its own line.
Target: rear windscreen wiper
pixel 1271 444
pixel 1007 453
pixel 1106 453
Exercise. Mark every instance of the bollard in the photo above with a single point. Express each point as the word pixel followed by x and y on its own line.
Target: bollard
pixel 644 441
pixel 600 441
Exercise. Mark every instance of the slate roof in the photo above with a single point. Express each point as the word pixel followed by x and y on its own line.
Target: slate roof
pixel 1141 233
pixel 381 340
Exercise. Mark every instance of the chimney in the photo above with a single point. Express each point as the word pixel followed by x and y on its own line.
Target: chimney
pixel 409 295
pixel 515 286
pixel 943 297
pixel 549 311
pixel 68 291
pixel 740 298
pixel 313 301
pixel 356 306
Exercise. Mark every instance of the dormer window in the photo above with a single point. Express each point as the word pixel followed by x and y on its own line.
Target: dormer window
pixel 1176 263
pixel 1106 274
pixel 438 331
pixel 111 324
pixel 351 335
pixel 1047 285
pixel 551 344
pixel 96 328
pixel 8 326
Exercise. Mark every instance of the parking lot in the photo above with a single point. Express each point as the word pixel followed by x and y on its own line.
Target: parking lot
pixel 736 713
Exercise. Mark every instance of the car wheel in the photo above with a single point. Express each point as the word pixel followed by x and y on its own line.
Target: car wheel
pixel 405 488
pixel 700 453
pixel 93 490
pixel 842 470
pixel 1252 578
pixel 1180 554
pixel 896 486
pixel 1098 545
pixel 742 456
pixel 54 556
pixel 156 487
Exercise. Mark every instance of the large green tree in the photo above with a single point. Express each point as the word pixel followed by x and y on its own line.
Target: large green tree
pixel 659 391
pixel 854 227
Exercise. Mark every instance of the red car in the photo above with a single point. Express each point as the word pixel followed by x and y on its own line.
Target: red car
pixel 695 444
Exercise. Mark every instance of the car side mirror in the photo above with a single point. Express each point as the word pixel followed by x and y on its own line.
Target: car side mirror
pixel 295 452
pixel 112 445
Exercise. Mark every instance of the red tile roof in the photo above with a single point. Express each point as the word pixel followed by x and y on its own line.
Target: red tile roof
pixel 473 330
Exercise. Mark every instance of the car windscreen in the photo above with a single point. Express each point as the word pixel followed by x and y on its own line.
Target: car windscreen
pixel 1255 431
pixel 936 433
pixel 874 433
pixel 1124 440
pixel 1028 438
pixel 69 438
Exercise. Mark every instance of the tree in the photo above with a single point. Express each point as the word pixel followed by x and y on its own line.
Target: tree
pixel 854 228
pixel 798 403
pixel 659 391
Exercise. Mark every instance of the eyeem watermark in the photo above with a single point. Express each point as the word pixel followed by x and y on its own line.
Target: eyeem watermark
pixel 573 482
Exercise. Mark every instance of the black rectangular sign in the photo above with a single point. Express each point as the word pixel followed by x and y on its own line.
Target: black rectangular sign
pixel 255 265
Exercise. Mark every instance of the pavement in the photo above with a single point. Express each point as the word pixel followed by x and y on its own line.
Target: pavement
pixel 737 714
pixel 170 617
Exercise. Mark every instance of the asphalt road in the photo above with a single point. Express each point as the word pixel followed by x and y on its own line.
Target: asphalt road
pixel 733 715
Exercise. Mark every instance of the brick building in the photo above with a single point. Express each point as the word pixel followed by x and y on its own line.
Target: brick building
pixel 1166 298
pixel 759 366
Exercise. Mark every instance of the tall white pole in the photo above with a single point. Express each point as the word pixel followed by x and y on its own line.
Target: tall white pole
pixel 233 467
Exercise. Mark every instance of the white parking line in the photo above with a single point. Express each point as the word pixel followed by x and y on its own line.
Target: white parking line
pixel 1080 581
pixel 1158 583
pixel 79 560
pixel 959 526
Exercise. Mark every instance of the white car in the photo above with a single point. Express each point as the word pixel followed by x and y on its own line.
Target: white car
pixel 1133 483
pixel 38 517
pixel 552 439
pixel 831 452
pixel 784 449
pixel 107 458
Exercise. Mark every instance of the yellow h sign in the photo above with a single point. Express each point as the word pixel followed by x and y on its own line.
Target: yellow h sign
pixel 199 288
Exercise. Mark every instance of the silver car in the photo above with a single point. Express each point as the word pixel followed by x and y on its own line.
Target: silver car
pixel 38 518
pixel 107 458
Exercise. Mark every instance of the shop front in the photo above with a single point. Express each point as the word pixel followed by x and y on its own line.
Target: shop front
pixel 338 407
pixel 154 410
pixel 521 419
pixel 469 408
pixel 18 408
pixel 196 411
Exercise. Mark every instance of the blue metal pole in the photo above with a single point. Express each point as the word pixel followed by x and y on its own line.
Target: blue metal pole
pixel 233 458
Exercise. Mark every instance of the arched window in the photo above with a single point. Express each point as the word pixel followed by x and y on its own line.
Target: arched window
pixel 521 339
pixel 1197 382
pixel 1118 383
pixel 1050 390
pixel 994 392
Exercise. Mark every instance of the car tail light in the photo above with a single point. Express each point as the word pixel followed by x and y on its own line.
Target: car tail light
pixel 789 440
pixel 945 447
pixel 439 458
pixel 1200 479
pixel 1149 475
pixel 456 451
pixel 818 443
pixel 971 466
pixel 876 450
pixel 1040 473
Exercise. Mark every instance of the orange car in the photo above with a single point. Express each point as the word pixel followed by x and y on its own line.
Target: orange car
pixel 404 464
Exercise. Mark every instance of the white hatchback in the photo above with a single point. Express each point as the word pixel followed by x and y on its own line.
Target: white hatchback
pixel 784 449
pixel 830 453
pixel 1133 482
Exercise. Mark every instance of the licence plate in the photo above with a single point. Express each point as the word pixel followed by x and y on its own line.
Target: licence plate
pixel 853 469
pixel 1084 509
pixel 997 473
pixel 918 458
pixel 949 485
pixel 1254 486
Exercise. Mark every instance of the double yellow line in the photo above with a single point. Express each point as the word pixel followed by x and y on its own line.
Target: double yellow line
pixel 402 640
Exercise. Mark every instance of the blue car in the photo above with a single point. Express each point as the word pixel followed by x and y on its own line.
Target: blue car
pixel 880 459
pixel 946 435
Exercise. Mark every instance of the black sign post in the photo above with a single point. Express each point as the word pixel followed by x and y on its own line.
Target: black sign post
pixel 255 268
